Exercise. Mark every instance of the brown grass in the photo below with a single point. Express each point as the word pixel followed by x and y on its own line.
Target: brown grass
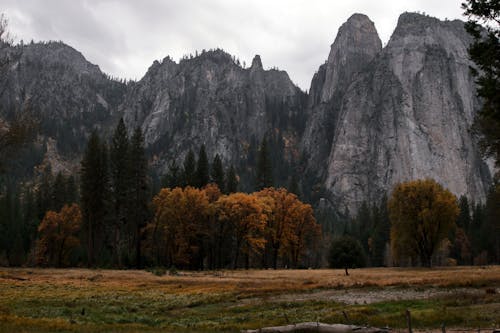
pixel 255 281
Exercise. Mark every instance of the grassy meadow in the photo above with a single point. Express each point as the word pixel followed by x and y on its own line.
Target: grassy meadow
pixel 71 300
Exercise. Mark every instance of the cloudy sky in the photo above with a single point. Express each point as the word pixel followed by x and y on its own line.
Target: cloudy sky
pixel 124 37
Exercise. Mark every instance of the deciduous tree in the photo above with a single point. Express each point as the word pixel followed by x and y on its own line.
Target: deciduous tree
pixel 58 236
pixel 246 214
pixel 422 213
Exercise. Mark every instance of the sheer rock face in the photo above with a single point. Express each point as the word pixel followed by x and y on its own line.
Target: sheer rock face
pixel 356 45
pixel 210 99
pixel 409 116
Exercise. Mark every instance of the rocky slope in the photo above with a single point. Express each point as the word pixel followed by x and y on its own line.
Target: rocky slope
pixel 210 99
pixel 60 88
pixel 408 115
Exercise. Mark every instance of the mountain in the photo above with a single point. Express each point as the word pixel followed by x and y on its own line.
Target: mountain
pixel 374 115
pixel 406 115
pixel 211 99
pixel 58 86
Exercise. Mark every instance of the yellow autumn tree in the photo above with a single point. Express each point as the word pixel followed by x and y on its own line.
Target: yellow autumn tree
pixel 180 222
pixel 281 227
pixel 422 213
pixel 245 214
pixel 305 233
pixel 58 236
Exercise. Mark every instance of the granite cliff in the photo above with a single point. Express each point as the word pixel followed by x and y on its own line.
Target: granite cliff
pixel 406 115
pixel 373 116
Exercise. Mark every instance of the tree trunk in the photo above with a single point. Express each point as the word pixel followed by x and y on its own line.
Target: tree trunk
pixel 346 272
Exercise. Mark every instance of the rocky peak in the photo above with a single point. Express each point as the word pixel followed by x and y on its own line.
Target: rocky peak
pixel 256 62
pixel 356 44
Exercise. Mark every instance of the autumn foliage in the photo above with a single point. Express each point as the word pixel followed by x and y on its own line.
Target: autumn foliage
pixel 422 214
pixel 201 228
pixel 58 236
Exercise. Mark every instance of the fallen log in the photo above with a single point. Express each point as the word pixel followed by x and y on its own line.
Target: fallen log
pixel 318 327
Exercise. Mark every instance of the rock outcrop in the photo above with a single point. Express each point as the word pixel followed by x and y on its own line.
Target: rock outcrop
pixel 407 116
pixel 356 45
pixel 210 99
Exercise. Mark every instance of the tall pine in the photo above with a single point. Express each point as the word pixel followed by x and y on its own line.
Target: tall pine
pixel 94 192
pixel 232 181
pixel 202 168
pixel 264 176
pixel 189 171
pixel 119 163
pixel 139 191
pixel 217 173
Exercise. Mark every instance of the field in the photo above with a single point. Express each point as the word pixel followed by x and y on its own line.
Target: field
pixel 47 300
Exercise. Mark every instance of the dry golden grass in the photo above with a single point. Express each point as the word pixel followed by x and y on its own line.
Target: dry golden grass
pixel 47 300
pixel 254 281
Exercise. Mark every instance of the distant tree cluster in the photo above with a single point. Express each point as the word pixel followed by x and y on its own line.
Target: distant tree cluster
pixel 203 228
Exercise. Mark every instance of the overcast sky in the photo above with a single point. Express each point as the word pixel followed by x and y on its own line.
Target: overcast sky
pixel 124 37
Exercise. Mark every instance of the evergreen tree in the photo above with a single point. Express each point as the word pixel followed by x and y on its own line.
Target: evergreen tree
pixel 139 190
pixel 30 220
pixel 464 217
pixel 363 226
pixel 71 190
pixel 381 233
pixel 293 187
pixel 490 228
pixel 94 192
pixel 264 176
pixel 232 181
pixel 58 195
pixel 44 193
pixel 202 168
pixel 189 171
pixel 173 178
pixel 484 27
pixel 119 163
pixel 217 173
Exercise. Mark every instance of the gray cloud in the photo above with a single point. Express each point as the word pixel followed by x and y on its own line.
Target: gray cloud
pixel 125 37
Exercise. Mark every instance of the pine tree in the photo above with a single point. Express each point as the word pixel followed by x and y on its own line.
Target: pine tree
pixel 94 192
pixel 139 190
pixel 189 171
pixel 71 190
pixel 232 181
pixel 464 217
pixel 218 173
pixel 202 168
pixel 119 163
pixel 264 177
pixel 58 195
pixel 173 178
pixel 381 233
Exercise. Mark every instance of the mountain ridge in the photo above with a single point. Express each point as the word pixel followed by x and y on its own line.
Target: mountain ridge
pixel 373 115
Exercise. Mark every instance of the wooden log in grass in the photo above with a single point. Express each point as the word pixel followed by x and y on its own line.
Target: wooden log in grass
pixel 318 327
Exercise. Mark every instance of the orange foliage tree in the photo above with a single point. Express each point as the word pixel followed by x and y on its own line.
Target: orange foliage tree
pixel 422 213
pixel 246 215
pixel 289 222
pixel 305 233
pixel 58 236
pixel 174 237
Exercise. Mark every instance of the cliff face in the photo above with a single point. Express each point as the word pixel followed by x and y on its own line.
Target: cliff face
pixel 407 116
pixel 356 45
pixel 210 99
